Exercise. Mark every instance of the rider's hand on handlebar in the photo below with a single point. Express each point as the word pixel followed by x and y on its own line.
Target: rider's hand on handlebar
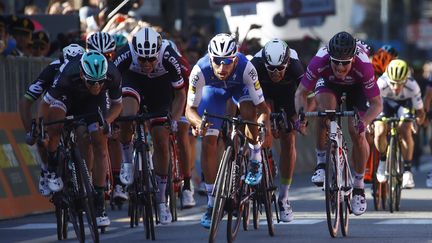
pixel 30 139
pixel 300 125
pixel 360 126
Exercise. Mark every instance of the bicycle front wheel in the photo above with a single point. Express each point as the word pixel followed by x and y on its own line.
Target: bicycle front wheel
pixel 221 187
pixel 393 176
pixel 332 192
pixel 347 190
pixel 87 195
pixel 268 195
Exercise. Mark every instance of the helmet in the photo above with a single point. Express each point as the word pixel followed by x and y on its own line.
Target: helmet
pixel 276 52
pixel 342 46
pixel 222 45
pixel 397 71
pixel 94 66
pixel 72 50
pixel 380 60
pixel 147 42
pixel 120 40
pixel 390 50
pixel 101 42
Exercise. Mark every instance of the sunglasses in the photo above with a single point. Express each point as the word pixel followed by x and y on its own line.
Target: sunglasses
pixel 341 62
pixel 223 60
pixel 273 69
pixel 395 84
pixel 92 82
pixel 147 59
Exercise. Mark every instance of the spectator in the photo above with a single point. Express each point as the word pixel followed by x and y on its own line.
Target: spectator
pixel 32 10
pixel 60 7
pixel 41 44
pixel 21 30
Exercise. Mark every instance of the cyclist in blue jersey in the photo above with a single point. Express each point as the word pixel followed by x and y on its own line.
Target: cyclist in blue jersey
pixel 221 75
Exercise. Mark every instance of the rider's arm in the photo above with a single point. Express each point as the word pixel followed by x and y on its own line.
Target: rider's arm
pixel 301 98
pixel 194 94
pixel 375 107
pixel 428 98
pixel 420 116
pixel 25 112
pixel 178 103
pixel 114 94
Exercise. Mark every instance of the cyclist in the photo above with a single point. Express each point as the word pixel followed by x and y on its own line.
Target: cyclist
pixel 220 75
pixel 106 44
pixel 401 94
pixel 32 94
pixel 382 58
pixel 184 144
pixel 340 67
pixel 81 89
pixel 150 69
pixel 120 40
pixel 279 71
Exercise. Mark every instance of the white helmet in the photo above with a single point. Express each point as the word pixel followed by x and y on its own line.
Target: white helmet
pixel 101 42
pixel 276 52
pixel 72 50
pixel 147 42
pixel 222 45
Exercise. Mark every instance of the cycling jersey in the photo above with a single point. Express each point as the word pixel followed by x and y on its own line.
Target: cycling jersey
pixel 281 93
pixel 402 103
pixel 361 73
pixel 70 93
pixel 208 92
pixel 155 87
pixel 43 81
pixel 359 84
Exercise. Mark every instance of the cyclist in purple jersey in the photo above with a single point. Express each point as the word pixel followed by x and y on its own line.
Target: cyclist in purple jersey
pixel 342 67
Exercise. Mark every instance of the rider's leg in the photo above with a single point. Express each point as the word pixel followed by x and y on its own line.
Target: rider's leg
pixel 287 164
pixel 130 107
pixel 407 147
pixel 184 156
pixel 380 141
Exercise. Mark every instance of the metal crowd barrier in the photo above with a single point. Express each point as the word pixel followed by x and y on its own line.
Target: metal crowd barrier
pixel 15 75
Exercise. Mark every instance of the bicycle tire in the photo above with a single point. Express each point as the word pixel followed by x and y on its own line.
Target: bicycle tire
pixel 171 184
pixel 255 214
pixel 59 218
pixel 332 193
pixel 87 195
pixel 65 223
pixel 392 180
pixel 399 176
pixel 246 214
pixel 268 195
pixel 148 199
pixel 221 192
pixel 234 217
pixel 346 202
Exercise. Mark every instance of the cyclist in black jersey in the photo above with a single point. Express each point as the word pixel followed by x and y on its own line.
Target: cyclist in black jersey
pixel 279 71
pixel 151 72
pixel 33 93
pixel 81 89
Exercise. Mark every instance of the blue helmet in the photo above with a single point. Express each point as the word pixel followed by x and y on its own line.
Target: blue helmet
pixel 120 40
pixel 390 50
pixel 94 66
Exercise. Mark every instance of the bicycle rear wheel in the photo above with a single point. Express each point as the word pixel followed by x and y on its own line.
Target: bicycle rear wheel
pixel 147 196
pixel 332 192
pixel 221 187
pixel 172 180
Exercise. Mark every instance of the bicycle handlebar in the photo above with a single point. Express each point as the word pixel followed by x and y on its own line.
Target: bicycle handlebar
pixel 327 113
pixel 395 119
pixel 142 117
pixel 232 120
pixel 281 115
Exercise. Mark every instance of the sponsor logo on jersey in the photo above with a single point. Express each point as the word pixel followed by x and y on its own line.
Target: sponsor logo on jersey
pixel 36 88
pixel 166 55
pixel 370 83
pixel 121 58
pixel 257 85
pixel 175 63
pixel 253 74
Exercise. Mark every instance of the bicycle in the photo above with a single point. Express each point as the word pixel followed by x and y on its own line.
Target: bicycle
pixel 142 192
pixel 394 162
pixel 265 191
pixel 231 192
pixel 78 192
pixel 175 178
pixel 338 184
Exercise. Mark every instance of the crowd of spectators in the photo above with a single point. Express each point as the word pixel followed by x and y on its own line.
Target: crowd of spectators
pixel 23 35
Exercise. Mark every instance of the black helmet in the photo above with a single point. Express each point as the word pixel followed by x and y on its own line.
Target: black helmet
pixel 342 46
